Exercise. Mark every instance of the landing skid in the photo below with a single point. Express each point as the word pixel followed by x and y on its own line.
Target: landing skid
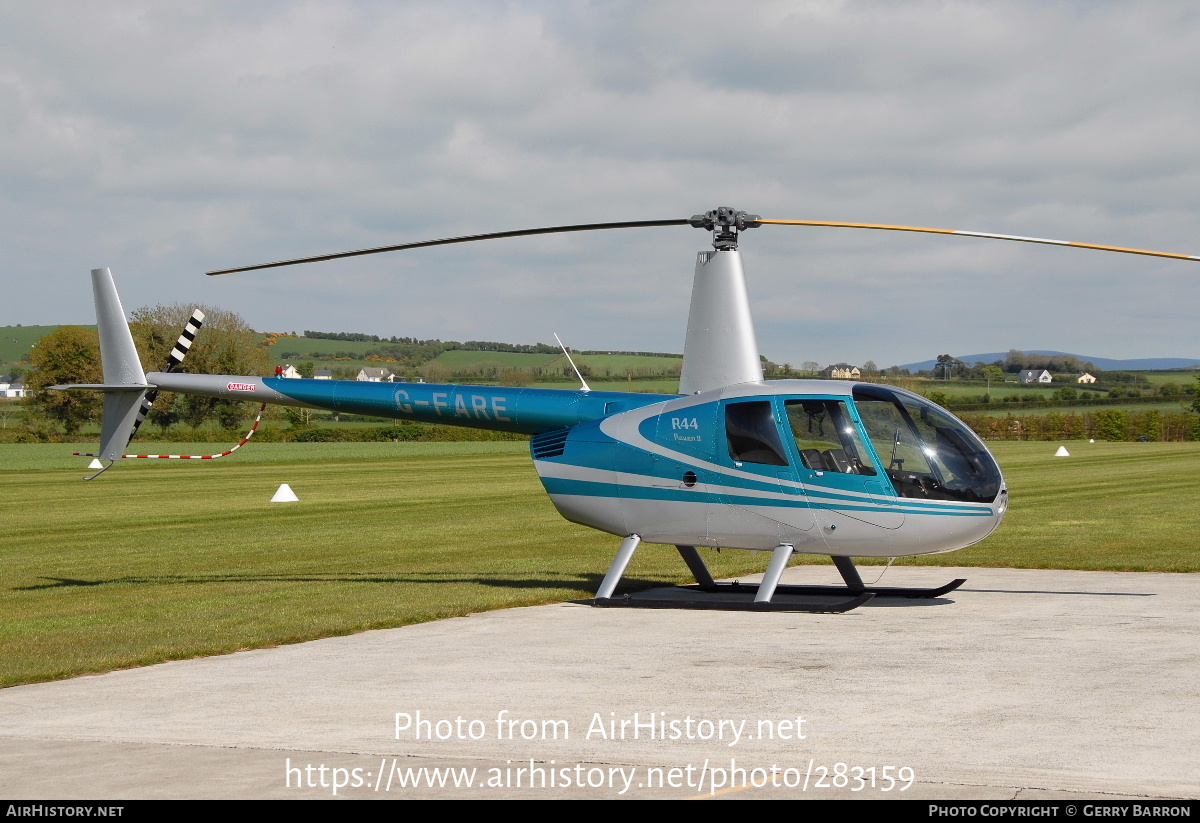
pixel 763 593
pixel 845 566
pixel 712 604
pixel 854 583
pixel 877 591
pixel 855 591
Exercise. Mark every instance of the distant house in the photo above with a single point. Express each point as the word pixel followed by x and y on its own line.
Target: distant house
pixel 12 389
pixel 842 371
pixel 1036 376
pixel 323 374
pixel 290 371
pixel 1086 378
pixel 374 375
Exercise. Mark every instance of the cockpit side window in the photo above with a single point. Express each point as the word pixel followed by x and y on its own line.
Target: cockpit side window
pixel 752 434
pixel 826 436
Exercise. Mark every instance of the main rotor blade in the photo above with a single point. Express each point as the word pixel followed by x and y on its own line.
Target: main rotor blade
pixel 633 224
pixel 1018 238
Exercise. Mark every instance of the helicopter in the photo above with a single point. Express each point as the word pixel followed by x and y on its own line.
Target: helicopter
pixel 838 468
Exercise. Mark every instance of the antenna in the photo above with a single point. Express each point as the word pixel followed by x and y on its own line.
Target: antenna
pixel 586 387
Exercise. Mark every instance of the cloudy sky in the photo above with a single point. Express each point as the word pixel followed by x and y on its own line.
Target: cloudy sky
pixel 167 139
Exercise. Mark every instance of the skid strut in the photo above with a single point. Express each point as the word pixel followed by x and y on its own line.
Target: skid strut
pixel 764 593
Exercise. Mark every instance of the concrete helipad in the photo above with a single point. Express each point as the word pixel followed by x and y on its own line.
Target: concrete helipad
pixel 1020 684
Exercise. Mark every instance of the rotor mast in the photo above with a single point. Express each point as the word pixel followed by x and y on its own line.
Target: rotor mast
pixel 721 348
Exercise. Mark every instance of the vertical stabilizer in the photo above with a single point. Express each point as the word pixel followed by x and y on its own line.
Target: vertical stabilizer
pixel 720 349
pixel 120 413
pixel 117 352
pixel 124 383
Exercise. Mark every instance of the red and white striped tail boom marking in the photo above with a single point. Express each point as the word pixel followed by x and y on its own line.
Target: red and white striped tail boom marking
pixel 243 442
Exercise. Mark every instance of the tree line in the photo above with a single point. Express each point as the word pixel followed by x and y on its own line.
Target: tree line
pixel 71 354
pixel 439 345
pixel 1113 425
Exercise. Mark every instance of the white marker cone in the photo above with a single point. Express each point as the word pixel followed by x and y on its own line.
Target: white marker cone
pixel 1091 441
pixel 95 464
pixel 285 495
pixel 1062 452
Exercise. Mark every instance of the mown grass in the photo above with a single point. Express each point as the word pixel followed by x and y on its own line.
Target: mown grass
pixel 161 560
pixel 1109 506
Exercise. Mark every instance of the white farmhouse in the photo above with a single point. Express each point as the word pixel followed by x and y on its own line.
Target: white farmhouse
pixel 842 371
pixel 374 375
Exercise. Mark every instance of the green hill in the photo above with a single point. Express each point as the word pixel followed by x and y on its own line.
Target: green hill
pixel 16 341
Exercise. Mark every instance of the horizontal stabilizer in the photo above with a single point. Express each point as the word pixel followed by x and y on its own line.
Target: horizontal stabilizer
pixel 103 387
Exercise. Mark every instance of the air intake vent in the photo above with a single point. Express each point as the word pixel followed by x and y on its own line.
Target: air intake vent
pixel 549 444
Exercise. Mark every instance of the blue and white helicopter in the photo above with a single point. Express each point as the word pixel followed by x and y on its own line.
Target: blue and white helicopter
pixel 844 469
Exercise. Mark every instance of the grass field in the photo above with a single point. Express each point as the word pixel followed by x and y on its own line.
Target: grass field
pixel 617 365
pixel 614 364
pixel 318 348
pixel 162 560
pixel 974 388
pixel 1184 377
pixel 459 359
pixel 668 385
pixel 1109 506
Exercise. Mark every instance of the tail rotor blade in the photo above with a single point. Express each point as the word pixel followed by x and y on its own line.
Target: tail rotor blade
pixel 185 340
pixel 182 345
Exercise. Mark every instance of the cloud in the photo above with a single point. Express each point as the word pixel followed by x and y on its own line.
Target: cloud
pixel 165 139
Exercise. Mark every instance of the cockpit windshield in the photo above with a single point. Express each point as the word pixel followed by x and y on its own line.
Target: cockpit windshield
pixel 928 453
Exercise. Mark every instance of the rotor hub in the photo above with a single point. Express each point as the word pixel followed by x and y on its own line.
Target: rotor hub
pixel 725 223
